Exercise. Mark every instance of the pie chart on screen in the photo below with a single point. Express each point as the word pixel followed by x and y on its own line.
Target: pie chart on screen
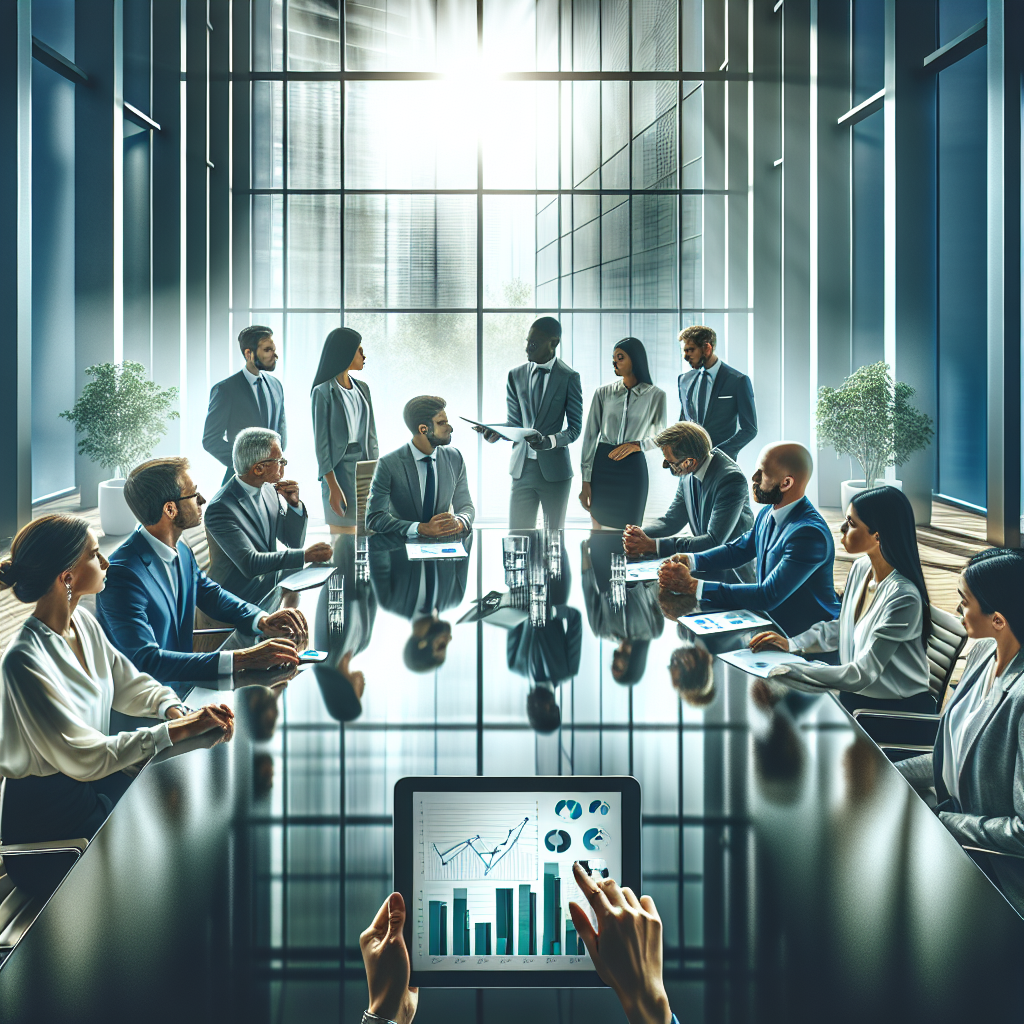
pixel 568 809
pixel 557 841
pixel 596 839
pixel 600 807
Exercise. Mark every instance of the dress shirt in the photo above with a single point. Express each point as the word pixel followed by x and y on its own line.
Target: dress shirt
pixel 253 379
pixel 169 557
pixel 355 411
pixel 549 366
pixel 618 415
pixel 700 472
pixel 55 715
pixel 956 726
pixel 258 506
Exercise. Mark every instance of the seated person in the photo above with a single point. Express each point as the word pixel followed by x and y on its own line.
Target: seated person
pixel 712 499
pixel 884 621
pixel 414 487
pixel 59 679
pixel 154 586
pixel 691 669
pixel 626 950
pixel 975 768
pixel 791 543
pixel 251 513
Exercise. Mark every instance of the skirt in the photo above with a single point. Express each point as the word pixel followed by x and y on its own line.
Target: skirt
pixel 41 808
pixel 345 474
pixel 618 490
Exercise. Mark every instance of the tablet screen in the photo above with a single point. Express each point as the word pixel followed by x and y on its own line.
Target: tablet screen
pixel 492 875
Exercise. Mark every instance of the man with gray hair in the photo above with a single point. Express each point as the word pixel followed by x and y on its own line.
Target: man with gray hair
pixel 251 513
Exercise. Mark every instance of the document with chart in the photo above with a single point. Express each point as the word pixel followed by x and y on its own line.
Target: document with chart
pixel 492 876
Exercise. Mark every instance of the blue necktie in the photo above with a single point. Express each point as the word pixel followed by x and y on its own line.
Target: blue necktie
pixel 428 491
pixel 702 396
pixel 261 398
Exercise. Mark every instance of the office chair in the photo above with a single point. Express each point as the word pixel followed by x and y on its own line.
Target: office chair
pixel 364 474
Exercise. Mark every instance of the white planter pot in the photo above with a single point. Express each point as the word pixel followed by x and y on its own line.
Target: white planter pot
pixel 848 488
pixel 116 517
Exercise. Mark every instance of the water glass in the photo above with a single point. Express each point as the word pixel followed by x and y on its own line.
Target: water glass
pixel 362 564
pixel 515 552
pixel 618 560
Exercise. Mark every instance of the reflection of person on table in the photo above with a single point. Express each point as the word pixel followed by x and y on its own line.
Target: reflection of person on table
pixel 790 541
pixel 415 487
pixel 624 419
pixel 344 430
pixel 250 514
pixel 691 669
pixel 60 678
pixel 712 499
pixel 544 393
pixel 884 622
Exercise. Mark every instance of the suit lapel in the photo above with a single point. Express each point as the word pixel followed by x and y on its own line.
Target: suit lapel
pixel 445 482
pixel 258 528
pixel 991 706
pixel 155 567
pixel 273 507
pixel 556 374
pixel 691 407
pixel 413 480
pixel 244 385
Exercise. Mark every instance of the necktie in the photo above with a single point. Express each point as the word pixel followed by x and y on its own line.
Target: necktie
pixel 537 396
pixel 261 398
pixel 769 535
pixel 702 396
pixel 428 491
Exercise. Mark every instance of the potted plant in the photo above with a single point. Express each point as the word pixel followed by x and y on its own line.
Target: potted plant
pixel 869 417
pixel 123 414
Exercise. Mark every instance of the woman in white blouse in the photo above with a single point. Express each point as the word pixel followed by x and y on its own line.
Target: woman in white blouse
pixel 59 679
pixel 625 418
pixel 884 622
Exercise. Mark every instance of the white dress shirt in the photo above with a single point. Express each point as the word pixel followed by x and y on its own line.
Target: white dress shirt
pixel 355 411
pixel 957 721
pixel 169 557
pixel 55 715
pixel 531 453
pixel 619 414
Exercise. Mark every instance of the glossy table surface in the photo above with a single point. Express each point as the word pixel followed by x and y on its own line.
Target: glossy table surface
pixel 797 874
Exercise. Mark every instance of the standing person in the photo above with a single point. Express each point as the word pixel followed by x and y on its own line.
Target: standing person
pixel 624 422
pixel 253 397
pixel 544 393
pixel 344 430
pixel 714 394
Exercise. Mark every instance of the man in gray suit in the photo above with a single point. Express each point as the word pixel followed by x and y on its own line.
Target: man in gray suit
pixel 252 512
pixel 712 498
pixel 415 487
pixel 544 393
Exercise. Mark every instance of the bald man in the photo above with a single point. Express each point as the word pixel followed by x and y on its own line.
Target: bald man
pixel 791 543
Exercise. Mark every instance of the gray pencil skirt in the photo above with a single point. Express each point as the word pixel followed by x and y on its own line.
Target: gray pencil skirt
pixel 345 474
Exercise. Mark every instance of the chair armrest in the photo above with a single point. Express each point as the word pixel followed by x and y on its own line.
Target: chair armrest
pixel 899 728
pixel 994 853
pixel 75 846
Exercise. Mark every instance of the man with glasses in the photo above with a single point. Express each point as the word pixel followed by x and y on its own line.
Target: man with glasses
pixel 254 512
pixel 712 499
pixel 154 587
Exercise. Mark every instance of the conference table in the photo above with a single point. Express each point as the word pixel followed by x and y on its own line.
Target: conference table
pixel 797 874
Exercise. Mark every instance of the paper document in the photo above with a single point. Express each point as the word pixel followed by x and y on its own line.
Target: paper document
pixel 513 434
pixel 450 549
pixel 763 662
pixel 314 576
pixel 646 570
pixel 723 622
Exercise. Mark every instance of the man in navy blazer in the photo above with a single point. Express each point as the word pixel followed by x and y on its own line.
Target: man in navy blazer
pixel 790 541
pixel 153 587
pixel 253 397
pixel 714 394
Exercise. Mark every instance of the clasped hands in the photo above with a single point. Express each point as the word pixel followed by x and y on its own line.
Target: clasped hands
pixel 444 524
pixel 286 628
pixel 674 575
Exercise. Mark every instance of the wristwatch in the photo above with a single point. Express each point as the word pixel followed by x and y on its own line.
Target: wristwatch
pixel 372 1018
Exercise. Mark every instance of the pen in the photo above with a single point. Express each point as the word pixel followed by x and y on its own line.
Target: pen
pixel 448 551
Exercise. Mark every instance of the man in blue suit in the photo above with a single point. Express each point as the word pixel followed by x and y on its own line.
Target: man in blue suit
pixel 253 397
pixel 154 586
pixel 790 541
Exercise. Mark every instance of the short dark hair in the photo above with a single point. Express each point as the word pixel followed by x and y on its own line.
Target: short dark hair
pixel 996 579
pixel 41 551
pixel 542 710
pixel 421 409
pixel 700 334
pixel 548 326
pixel 418 653
pixel 687 440
pixel 250 337
pixel 150 486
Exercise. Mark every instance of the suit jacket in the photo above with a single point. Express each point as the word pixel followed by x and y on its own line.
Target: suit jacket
pixel 394 502
pixel 719 514
pixel 562 404
pixel 548 653
pixel 330 426
pixel 233 407
pixel 794 572
pixel 730 417
pixel 990 811
pixel 243 559
pixel 138 612
pixel 396 580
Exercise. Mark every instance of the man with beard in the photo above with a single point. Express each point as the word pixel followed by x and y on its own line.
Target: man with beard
pixel 249 398
pixel 415 487
pixel 791 543
pixel 154 586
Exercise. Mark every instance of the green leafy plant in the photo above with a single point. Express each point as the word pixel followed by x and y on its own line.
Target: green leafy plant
pixel 122 413
pixel 869 417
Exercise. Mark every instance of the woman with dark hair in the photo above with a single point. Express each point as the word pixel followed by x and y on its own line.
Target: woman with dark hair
pixel 59 679
pixel 344 431
pixel 974 773
pixel 625 418
pixel 884 622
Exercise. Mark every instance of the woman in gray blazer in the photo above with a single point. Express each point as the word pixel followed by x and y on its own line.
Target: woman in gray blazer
pixel 975 773
pixel 344 431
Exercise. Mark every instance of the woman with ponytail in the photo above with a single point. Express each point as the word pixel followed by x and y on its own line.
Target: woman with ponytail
pixel 59 679
pixel 885 620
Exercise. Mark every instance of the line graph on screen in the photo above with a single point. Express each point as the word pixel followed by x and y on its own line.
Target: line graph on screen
pixel 480 841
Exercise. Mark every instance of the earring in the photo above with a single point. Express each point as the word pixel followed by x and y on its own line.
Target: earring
pixel 67 586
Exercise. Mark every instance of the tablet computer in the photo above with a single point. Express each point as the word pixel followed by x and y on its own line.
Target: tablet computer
pixel 485 868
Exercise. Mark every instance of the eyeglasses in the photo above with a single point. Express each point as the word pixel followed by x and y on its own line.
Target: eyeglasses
pixel 281 462
pixel 183 497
